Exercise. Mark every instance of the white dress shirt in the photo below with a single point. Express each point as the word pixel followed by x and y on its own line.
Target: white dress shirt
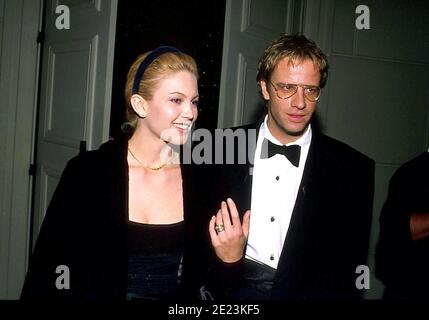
pixel 274 189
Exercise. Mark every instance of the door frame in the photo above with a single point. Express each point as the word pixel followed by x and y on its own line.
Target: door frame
pixel 20 52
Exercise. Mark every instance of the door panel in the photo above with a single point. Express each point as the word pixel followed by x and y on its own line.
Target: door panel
pixel 75 90
pixel 67 110
pixel 250 25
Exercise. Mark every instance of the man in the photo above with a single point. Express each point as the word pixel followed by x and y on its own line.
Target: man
pixel 310 196
pixel 402 260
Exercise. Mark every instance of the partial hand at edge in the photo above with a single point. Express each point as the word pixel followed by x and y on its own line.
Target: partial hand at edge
pixel 419 225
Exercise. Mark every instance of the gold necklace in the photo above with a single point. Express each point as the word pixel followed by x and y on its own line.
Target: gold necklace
pixel 154 168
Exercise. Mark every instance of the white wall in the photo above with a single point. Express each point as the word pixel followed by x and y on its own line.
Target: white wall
pixel 19 24
pixel 1 25
pixel 376 97
pixel 2 176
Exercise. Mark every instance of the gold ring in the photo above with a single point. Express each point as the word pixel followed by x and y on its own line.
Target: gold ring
pixel 219 228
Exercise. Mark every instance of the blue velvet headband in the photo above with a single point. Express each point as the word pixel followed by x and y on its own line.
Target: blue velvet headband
pixel 147 61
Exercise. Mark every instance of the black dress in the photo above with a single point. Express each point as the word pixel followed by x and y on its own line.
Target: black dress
pixel 154 260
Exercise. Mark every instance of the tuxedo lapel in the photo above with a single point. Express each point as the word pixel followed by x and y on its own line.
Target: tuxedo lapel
pixel 240 176
pixel 240 182
pixel 304 220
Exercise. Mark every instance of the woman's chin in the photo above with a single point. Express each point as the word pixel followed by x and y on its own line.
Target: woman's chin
pixel 174 137
pixel 178 141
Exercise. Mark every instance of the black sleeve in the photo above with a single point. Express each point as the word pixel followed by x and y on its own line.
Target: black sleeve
pixel 394 231
pixel 398 260
pixel 205 276
pixel 221 278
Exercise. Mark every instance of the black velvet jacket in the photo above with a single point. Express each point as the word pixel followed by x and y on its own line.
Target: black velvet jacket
pixel 85 229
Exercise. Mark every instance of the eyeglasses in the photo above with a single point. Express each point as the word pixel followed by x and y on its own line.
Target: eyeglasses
pixel 284 91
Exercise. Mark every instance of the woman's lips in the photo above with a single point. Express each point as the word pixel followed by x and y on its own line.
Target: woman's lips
pixel 182 128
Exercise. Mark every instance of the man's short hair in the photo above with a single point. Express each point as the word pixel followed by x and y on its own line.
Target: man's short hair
pixel 296 48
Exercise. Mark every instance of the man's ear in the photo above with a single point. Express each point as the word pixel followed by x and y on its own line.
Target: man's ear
pixel 264 90
pixel 139 105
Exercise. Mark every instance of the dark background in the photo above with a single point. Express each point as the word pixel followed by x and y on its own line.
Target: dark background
pixel 193 26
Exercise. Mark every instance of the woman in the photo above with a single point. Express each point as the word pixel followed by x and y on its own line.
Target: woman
pixel 115 226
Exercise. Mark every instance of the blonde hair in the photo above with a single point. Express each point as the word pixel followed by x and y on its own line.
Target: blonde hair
pixel 164 65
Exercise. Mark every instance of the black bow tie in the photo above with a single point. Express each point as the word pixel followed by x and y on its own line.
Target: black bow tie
pixel 292 152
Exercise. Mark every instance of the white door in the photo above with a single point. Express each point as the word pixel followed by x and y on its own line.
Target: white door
pixel 75 92
pixel 250 25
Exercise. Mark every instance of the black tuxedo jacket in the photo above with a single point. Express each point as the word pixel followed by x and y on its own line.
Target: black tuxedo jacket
pixel 328 235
